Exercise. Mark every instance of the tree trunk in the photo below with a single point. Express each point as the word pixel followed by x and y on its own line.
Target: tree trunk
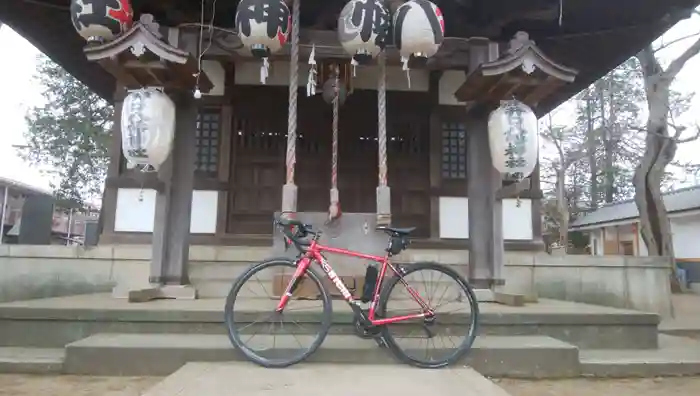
pixel 591 153
pixel 563 209
pixel 659 152
pixel 608 138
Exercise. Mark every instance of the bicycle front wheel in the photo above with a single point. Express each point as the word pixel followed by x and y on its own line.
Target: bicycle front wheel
pixel 442 340
pixel 277 339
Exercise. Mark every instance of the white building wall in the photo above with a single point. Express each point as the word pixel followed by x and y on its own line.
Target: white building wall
pixel 454 218
pixel 685 228
pixel 686 236
pixel 136 211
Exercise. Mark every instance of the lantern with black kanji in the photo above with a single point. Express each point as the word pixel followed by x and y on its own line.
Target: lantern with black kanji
pixel 263 25
pixel 513 138
pixel 101 20
pixel 363 27
pixel 148 127
pixel 419 29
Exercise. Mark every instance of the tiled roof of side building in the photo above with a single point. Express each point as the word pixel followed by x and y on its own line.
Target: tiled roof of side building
pixel 20 187
pixel 676 201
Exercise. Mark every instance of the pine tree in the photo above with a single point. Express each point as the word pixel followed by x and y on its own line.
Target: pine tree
pixel 69 134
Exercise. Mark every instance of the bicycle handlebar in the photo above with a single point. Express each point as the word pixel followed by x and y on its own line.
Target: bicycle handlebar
pixel 295 232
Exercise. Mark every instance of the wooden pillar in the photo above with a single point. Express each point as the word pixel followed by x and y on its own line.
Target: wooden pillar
pixel 485 234
pixel 171 234
pixel 536 191
pixel 435 153
pixel 483 182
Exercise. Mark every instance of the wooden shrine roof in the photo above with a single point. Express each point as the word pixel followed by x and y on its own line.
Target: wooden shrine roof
pixel 594 36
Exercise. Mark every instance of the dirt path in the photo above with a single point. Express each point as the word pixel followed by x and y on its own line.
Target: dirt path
pixel 67 385
pixel 689 386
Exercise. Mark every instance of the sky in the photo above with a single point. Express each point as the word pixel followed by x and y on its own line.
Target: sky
pixel 20 92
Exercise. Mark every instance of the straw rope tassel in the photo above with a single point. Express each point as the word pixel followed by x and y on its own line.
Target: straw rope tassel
pixel 383 191
pixel 293 87
pixel 381 118
pixel 334 210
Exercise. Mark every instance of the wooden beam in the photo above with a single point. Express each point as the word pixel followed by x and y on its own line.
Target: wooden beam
pixel 453 54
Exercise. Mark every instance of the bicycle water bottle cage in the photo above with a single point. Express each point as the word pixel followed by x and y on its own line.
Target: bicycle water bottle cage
pixel 371 276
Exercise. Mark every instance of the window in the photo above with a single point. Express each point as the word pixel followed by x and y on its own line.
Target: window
pixel 208 127
pixel 627 248
pixel 454 151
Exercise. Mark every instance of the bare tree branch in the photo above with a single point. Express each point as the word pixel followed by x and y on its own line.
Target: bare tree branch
pixel 677 64
pixel 676 41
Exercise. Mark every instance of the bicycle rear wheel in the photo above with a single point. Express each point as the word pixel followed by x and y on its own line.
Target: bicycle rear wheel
pixel 417 350
pixel 244 305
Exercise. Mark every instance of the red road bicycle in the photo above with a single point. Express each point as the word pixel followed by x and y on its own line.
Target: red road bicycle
pixel 374 322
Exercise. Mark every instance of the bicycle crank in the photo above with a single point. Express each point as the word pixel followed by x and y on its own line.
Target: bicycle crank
pixel 365 332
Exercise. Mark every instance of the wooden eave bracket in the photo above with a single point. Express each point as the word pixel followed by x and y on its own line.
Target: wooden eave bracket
pixel 141 58
pixel 513 190
pixel 524 73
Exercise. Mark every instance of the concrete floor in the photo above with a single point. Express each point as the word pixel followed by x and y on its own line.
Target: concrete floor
pixel 106 303
pixel 214 379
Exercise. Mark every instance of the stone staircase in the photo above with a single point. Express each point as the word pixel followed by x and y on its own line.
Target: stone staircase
pixel 98 335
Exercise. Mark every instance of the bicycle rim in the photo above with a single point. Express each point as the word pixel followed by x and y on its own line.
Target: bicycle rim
pixel 424 340
pixel 244 315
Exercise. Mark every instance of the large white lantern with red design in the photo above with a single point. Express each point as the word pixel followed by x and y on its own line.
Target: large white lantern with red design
pixel 419 29
pixel 101 20
pixel 514 138
pixel 148 127
pixel 263 25
pixel 363 28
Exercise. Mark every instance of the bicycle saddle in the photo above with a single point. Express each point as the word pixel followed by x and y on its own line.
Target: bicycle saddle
pixel 396 231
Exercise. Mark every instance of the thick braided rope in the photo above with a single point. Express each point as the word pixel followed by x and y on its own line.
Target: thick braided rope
pixel 293 88
pixel 336 105
pixel 381 118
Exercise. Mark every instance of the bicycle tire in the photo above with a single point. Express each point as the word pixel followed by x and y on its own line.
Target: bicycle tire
pixel 229 314
pixel 463 349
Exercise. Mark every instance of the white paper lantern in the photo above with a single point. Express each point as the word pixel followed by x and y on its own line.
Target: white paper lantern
pixel 419 29
pixel 513 138
pixel 363 27
pixel 148 127
pixel 101 20
pixel 263 25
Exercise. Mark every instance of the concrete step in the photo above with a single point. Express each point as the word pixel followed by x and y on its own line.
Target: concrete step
pixel 676 356
pixel 688 327
pixel 31 360
pixel 163 354
pixel 53 323
pixel 219 379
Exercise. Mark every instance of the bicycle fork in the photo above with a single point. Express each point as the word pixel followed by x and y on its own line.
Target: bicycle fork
pixel 302 266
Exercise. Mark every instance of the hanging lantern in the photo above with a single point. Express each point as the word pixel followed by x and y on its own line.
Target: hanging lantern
pixel 101 20
pixel 263 25
pixel 513 138
pixel 148 127
pixel 419 29
pixel 363 27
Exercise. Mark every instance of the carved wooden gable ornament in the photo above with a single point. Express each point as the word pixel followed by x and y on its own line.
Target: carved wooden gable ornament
pixel 523 72
pixel 141 57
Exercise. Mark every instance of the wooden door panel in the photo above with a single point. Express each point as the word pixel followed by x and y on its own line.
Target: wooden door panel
pixel 259 140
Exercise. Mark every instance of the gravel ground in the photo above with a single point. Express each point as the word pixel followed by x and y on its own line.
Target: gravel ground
pixel 681 386
pixel 67 385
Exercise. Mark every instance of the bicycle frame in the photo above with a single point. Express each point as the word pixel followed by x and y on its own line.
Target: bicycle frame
pixel 314 253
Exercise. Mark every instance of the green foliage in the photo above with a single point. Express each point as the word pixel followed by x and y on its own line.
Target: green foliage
pixel 69 134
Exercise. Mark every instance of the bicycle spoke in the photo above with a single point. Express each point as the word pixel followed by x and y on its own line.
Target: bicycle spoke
pixel 437 340
pixel 266 336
